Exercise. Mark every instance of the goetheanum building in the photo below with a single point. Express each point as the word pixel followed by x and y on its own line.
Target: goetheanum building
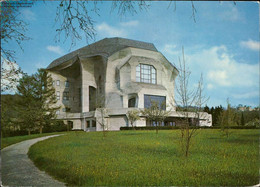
pixel 118 75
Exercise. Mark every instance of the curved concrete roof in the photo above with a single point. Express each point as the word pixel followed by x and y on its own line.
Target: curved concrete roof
pixel 105 47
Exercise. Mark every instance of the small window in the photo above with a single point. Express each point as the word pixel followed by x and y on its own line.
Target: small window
pixel 58 112
pixel 66 84
pixel 131 102
pixel 58 95
pixel 58 82
pixel 53 83
pixel 93 123
pixel 67 109
pixel 65 95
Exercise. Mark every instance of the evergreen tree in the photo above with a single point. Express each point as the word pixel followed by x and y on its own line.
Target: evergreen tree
pixel 206 109
pixel 242 119
pixel 26 104
pixel 45 97
pixel 37 102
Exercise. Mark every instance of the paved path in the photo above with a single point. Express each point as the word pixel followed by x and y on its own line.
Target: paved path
pixel 18 170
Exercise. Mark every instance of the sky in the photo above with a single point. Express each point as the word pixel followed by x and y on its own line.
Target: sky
pixel 222 44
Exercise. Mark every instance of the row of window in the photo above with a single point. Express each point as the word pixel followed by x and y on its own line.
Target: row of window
pixel 144 73
pixel 63 110
pixel 66 83
pixel 65 95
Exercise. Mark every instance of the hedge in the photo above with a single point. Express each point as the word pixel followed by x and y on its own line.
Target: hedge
pixel 57 126
pixel 178 127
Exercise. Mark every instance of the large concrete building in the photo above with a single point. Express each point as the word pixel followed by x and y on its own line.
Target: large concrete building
pixel 116 74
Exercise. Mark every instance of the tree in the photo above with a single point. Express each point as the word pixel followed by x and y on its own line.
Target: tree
pixel 101 103
pixel 72 18
pixel 37 101
pixel 8 114
pixel 10 75
pixel 27 105
pixel 155 113
pixel 187 97
pixel 226 119
pixel 242 119
pixel 46 98
pixel 133 116
pixel 13 28
pixel 206 109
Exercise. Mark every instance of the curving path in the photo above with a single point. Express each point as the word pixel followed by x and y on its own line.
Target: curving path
pixel 18 170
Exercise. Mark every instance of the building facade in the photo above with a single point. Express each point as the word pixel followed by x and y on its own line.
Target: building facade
pixel 98 84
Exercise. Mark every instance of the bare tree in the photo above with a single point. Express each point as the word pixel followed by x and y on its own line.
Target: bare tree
pixel 189 102
pixel 101 103
pixel 131 7
pixel 155 113
pixel 133 116
pixel 13 28
pixel 73 17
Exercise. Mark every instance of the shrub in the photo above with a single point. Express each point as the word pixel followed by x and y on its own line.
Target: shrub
pixel 177 127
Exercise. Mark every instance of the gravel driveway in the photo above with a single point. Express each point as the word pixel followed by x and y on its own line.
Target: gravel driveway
pixel 18 170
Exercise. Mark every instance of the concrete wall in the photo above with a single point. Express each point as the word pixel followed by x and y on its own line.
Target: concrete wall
pixel 121 77
pixel 76 124
pixel 115 122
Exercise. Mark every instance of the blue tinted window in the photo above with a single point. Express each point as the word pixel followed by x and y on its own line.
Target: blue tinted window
pixel 161 100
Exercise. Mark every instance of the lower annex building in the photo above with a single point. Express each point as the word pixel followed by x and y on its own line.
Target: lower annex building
pixel 119 75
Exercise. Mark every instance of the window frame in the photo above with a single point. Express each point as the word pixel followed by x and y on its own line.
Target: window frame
pixel 66 96
pixel 146 73
pixel 67 84
pixel 58 95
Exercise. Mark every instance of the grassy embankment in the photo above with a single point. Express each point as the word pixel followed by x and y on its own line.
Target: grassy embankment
pixel 16 139
pixel 145 159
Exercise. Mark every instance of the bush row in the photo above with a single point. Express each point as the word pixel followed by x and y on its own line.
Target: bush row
pixel 57 126
pixel 178 127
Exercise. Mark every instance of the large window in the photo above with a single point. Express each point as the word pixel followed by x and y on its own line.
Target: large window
pixel 145 73
pixel 160 100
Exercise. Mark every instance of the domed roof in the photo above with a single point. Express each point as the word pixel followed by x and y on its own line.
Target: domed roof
pixel 105 47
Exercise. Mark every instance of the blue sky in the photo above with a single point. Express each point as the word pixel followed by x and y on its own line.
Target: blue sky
pixel 223 43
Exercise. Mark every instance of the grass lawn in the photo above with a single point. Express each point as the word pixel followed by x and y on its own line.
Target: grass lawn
pixel 16 139
pixel 142 158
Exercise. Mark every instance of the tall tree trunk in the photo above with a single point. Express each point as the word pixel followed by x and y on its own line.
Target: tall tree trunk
pixel 29 132
pixel 156 123
pixel 132 125
pixel 40 129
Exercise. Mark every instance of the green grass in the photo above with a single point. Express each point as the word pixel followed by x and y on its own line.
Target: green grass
pixel 142 158
pixel 16 139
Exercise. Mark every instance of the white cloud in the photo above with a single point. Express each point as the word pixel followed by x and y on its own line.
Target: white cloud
pixel 251 44
pixel 55 49
pixel 130 23
pixel 246 95
pixel 210 86
pixel 231 13
pixel 28 14
pixel 109 31
pixel 170 49
pixel 221 69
